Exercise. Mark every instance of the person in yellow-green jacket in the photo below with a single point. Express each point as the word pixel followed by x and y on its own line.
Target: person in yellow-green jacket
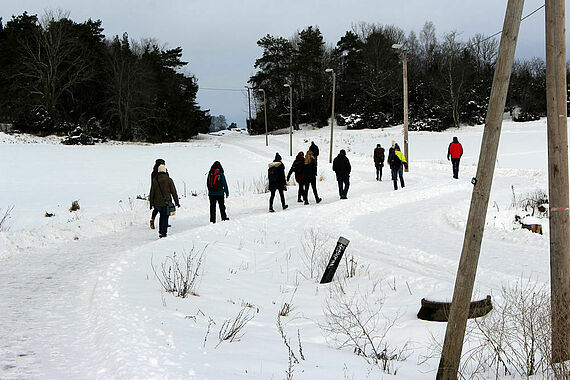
pixel 397 162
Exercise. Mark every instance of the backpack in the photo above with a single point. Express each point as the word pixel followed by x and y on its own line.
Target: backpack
pixel 272 174
pixel 215 180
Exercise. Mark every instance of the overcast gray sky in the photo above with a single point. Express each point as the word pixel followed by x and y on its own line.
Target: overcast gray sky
pixel 219 37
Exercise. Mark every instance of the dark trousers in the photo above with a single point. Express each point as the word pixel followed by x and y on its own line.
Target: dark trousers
pixel 343 185
pixel 154 213
pixel 220 200
pixel 313 184
pixel 455 166
pixel 272 197
pixel 300 191
pixel 163 220
pixel 395 174
pixel 379 172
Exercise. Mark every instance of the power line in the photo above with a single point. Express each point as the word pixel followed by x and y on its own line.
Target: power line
pixel 221 89
pixel 522 19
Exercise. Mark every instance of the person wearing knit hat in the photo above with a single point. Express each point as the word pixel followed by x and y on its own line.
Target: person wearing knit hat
pixel 341 166
pixel 397 162
pixel 157 163
pixel 277 182
pixel 217 187
pixel 162 192
pixel 379 161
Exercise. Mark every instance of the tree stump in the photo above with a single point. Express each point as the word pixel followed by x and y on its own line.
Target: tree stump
pixel 439 311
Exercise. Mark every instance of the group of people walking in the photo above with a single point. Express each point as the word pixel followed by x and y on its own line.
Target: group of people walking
pixel 164 198
pixel 396 160
pixel 305 169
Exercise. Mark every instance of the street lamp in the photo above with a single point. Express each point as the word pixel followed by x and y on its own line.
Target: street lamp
pixel 265 111
pixel 332 112
pixel 248 109
pixel 405 74
pixel 290 118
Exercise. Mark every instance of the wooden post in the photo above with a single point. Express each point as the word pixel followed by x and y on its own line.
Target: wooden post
pixel 464 282
pixel 405 73
pixel 558 186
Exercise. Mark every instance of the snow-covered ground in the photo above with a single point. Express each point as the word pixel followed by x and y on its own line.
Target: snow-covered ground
pixel 79 298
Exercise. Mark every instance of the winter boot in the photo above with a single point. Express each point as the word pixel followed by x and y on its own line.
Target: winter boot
pixel 152 224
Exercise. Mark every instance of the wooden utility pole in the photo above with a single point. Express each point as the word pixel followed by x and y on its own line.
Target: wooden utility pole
pixel 464 282
pixel 405 71
pixel 558 187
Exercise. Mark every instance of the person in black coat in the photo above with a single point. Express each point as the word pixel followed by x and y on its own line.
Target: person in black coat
pixel 341 166
pixel 153 175
pixel 379 161
pixel 315 149
pixel 297 168
pixel 276 176
pixel 310 177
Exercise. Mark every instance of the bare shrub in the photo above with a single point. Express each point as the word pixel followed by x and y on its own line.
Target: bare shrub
pixel 232 328
pixel 285 309
pixel 514 339
pixel 351 321
pixel 292 358
pixel 180 275
pixel 74 206
pixel 350 264
pixel 256 186
pixel 5 217
pixel 314 255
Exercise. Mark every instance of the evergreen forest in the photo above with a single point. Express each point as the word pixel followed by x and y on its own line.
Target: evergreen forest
pixel 449 79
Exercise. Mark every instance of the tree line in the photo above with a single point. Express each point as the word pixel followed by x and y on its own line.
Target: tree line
pixel 57 75
pixel 449 79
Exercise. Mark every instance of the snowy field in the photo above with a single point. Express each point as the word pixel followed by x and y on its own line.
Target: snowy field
pixel 79 298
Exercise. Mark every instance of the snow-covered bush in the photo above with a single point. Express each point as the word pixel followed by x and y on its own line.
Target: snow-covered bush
pixel 429 124
pixel 536 201
pixel 78 137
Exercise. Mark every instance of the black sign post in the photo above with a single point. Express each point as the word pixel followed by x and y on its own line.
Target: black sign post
pixel 341 245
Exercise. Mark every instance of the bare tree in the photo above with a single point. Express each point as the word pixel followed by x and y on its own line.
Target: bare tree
pixel 54 62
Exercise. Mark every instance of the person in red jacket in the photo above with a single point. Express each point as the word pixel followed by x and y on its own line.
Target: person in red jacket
pixel 455 151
